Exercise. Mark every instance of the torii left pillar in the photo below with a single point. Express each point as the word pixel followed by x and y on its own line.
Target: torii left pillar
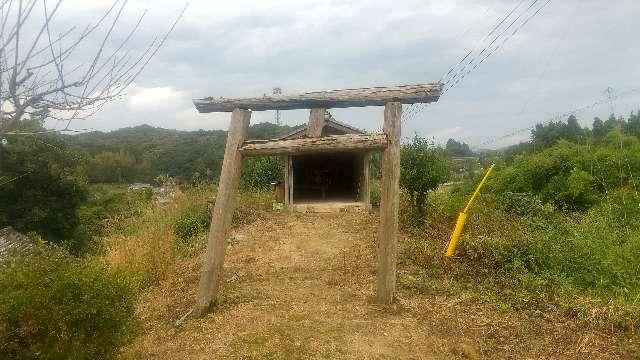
pixel 222 212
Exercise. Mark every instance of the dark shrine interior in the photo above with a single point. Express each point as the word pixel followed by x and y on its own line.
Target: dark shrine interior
pixel 326 177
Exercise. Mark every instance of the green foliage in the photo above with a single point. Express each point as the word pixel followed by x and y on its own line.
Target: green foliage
pixel 374 192
pixel 118 167
pixel 423 168
pixel 457 148
pixel 143 152
pixel 54 306
pixel 43 184
pixel 548 134
pixel 574 176
pixel 520 254
pixel 261 172
pixel 108 205
pixel 192 220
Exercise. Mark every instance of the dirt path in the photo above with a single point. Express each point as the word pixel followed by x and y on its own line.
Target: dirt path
pixel 301 286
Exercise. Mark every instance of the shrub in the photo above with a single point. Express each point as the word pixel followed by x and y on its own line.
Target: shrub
pixel 260 172
pixel 520 204
pixel 55 306
pixel 191 221
pixel 574 176
pixel 423 168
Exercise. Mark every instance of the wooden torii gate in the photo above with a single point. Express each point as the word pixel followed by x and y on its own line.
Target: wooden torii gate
pixel 237 147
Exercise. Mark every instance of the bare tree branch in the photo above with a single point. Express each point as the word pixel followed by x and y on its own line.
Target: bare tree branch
pixel 42 76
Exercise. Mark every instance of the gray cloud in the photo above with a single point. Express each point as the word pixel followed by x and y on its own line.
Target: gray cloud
pixel 563 59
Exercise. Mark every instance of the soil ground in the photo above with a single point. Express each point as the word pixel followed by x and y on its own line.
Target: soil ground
pixel 300 286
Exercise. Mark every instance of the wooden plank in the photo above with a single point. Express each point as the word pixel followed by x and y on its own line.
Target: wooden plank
pixel 291 199
pixel 389 203
pixel 222 212
pixel 286 182
pixel 333 143
pixel 374 96
pixel 365 192
pixel 316 122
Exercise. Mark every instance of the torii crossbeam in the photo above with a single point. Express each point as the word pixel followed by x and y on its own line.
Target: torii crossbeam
pixel 237 147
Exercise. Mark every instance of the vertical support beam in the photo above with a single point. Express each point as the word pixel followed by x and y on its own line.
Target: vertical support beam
pixel 365 193
pixel 389 203
pixel 290 195
pixel 316 122
pixel 222 212
pixel 287 189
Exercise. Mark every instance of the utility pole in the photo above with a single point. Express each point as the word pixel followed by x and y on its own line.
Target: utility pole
pixel 277 91
pixel 609 92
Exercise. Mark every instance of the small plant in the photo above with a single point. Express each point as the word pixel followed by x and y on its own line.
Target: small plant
pixel 191 221
pixel 55 306
pixel 374 192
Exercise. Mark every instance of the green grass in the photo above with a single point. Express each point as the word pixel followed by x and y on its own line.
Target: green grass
pixel 519 254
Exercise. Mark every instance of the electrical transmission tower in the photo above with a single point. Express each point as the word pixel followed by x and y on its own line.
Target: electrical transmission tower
pixel 609 92
pixel 277 91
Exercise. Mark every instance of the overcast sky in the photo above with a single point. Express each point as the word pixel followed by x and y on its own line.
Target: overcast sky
pixel 563 59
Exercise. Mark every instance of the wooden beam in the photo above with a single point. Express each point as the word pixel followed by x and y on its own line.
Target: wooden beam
pixel 333 143
pixel 287 172
pixel 365 192
pixel 316 122
pixel 374 96
pixel 222 212
pixel 389 203
pixel 291 199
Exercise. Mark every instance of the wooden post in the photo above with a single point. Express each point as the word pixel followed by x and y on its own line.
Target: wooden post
pixel 365 192
pixel 316 122
pixel 291 181
pixel 389 202
pixel 287 198
pixel 222 212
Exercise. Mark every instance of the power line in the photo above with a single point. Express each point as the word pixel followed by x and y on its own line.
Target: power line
pixel 453 80
pixel 458 78
pixel 493 30
pixel 609 99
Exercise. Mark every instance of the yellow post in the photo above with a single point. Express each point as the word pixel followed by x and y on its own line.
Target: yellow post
pixel 457 231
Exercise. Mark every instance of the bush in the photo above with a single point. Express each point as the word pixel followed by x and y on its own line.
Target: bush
pixel 260 172
pixel 423 168
pixel 54 306
pixel 107 207
pixel 574 176
pixel 520 204
pixel 191 221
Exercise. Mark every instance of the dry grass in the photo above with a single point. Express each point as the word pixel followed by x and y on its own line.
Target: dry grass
pixel 301 286
pixel 146 246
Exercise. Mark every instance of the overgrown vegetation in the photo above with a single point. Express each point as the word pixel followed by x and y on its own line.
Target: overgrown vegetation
pixel 261 172
pixel 43 184
pixel 143 152
pixel 56 306
pixel 555 229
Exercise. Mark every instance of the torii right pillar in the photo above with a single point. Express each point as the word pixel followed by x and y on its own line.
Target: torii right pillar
pixel 389 203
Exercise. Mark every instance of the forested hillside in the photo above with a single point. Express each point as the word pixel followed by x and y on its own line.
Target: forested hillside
pixel 143 152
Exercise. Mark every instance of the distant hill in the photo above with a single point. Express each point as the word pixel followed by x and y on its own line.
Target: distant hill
pixel 174 152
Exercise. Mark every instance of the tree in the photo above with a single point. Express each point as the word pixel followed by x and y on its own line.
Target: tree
pixel 63 76
pixel 457 148
pixel 119 167
pixel 42 183
pixel 598 128
pixel 423 167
